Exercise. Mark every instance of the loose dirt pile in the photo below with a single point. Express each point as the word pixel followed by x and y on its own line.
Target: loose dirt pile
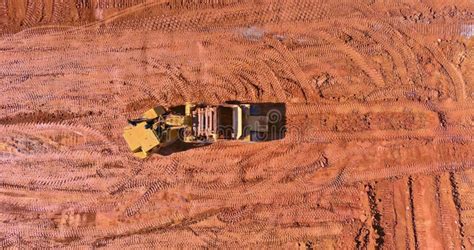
pixel 380 118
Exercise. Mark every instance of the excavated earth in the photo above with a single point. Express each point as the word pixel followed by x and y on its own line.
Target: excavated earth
pixel 378 150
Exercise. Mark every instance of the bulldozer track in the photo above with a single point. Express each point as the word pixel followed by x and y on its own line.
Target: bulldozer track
pixel 454 74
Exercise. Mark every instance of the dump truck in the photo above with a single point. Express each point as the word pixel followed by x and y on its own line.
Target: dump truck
pixel 191 123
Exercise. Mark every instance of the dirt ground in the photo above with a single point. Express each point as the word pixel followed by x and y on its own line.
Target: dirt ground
pixel 380 123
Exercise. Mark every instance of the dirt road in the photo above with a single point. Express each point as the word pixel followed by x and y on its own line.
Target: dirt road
pixel 380 123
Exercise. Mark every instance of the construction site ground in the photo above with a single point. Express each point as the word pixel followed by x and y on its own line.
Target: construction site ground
pixel 378 150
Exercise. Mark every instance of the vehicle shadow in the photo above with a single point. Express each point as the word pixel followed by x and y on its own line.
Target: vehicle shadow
pixel 179 146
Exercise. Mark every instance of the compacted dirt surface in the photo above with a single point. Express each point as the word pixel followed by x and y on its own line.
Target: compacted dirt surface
pixel 378 150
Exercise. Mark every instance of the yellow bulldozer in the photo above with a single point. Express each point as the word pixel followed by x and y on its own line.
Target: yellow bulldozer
pixel 191 123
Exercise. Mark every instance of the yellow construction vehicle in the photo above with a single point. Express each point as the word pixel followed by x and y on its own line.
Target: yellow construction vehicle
pixel 202 124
